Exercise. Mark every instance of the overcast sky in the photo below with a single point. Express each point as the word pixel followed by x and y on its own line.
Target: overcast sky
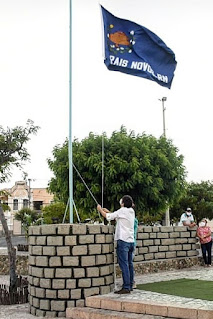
pixel 34 77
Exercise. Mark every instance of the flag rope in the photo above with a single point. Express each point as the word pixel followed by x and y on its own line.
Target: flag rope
pixel 87 188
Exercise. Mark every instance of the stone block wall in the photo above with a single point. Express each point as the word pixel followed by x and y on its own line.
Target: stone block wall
pixel 156 243
pixel 68 263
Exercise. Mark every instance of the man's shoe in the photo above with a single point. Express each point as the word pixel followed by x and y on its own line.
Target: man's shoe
pixel 123 291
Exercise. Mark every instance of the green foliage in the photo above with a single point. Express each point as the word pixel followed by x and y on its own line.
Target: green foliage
pixel 4 194
pixel 12 147
pixel 152 219
pixel 198 196
pixel 5 207
pixel 28 217
pixel 60 167
pixel 148 169
pixel 13 153
pixel 54 210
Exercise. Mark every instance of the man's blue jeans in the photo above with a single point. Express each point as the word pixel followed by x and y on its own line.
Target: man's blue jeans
pixel 125 260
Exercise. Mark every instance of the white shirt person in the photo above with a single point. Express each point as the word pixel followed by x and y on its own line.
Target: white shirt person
pixel 124 236
pixel 187 219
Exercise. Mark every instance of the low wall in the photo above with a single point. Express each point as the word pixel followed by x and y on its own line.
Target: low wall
pixel 67 263
pixel 154 243
pixel 21 264
pixel 143 267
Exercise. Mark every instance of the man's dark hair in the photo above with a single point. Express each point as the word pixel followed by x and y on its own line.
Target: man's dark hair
pixel 127 201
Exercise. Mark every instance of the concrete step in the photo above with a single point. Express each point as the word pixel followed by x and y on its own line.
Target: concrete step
pixel 134 304
pixel 92 313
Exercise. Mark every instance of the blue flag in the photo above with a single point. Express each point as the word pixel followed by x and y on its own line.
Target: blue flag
pixel 133 49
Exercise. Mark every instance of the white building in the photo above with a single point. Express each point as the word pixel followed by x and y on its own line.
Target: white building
pixel 20 196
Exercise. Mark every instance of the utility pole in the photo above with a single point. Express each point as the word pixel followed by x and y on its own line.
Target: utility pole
pixel 164 109
pixel 163 100
pixel 29 191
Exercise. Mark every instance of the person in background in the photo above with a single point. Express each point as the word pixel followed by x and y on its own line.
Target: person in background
pixel 187 218
pixel 204 234
pixel 124 235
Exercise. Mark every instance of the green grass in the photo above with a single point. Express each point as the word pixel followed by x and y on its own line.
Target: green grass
pixel 189 288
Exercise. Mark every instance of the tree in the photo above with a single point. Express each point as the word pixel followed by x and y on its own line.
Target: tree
pixel 148 169
pixel 54 211
pixel 28 217
pixel 12 147
pixel 60 167
pixel 12 153
pixel 11 249
pixel 199 197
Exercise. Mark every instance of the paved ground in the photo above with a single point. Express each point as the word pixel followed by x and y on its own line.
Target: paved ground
pixel 21 311
pixel 15 240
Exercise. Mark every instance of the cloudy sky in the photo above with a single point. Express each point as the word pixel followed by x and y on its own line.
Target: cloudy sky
pixel 34 77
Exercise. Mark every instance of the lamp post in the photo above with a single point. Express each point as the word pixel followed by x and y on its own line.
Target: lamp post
pixel 29 191
pixel 164 109
pixel 163 100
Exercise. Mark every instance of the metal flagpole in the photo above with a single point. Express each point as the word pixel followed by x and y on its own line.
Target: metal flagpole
pixel 70 120
pixel 102 195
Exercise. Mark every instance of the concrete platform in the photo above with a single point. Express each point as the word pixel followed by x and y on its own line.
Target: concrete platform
pixel 90 313
pixel 121 307
pixel 141 302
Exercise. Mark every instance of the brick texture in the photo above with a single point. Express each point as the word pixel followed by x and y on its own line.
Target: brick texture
pixel 69 263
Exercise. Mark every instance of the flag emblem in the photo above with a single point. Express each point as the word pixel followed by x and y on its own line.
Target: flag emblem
pixel 119 41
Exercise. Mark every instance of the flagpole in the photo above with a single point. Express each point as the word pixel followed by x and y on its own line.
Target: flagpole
pixel 102 188
pixel 70 119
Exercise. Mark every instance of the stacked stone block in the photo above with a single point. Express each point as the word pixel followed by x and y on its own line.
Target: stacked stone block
pixel 68 263
pixel 156 243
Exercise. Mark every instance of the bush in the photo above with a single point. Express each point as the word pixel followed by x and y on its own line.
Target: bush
pixel 54 213
pixel 28 217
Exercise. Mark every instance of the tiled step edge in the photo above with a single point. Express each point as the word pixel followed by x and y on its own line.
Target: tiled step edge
pixel 170 310
pixel 92 313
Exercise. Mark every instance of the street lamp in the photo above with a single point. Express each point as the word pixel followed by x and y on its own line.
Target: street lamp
pixel 164 109
pixel 29 191
pixel 167 215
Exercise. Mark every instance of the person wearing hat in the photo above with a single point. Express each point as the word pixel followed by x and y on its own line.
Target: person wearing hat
pixel 187 219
